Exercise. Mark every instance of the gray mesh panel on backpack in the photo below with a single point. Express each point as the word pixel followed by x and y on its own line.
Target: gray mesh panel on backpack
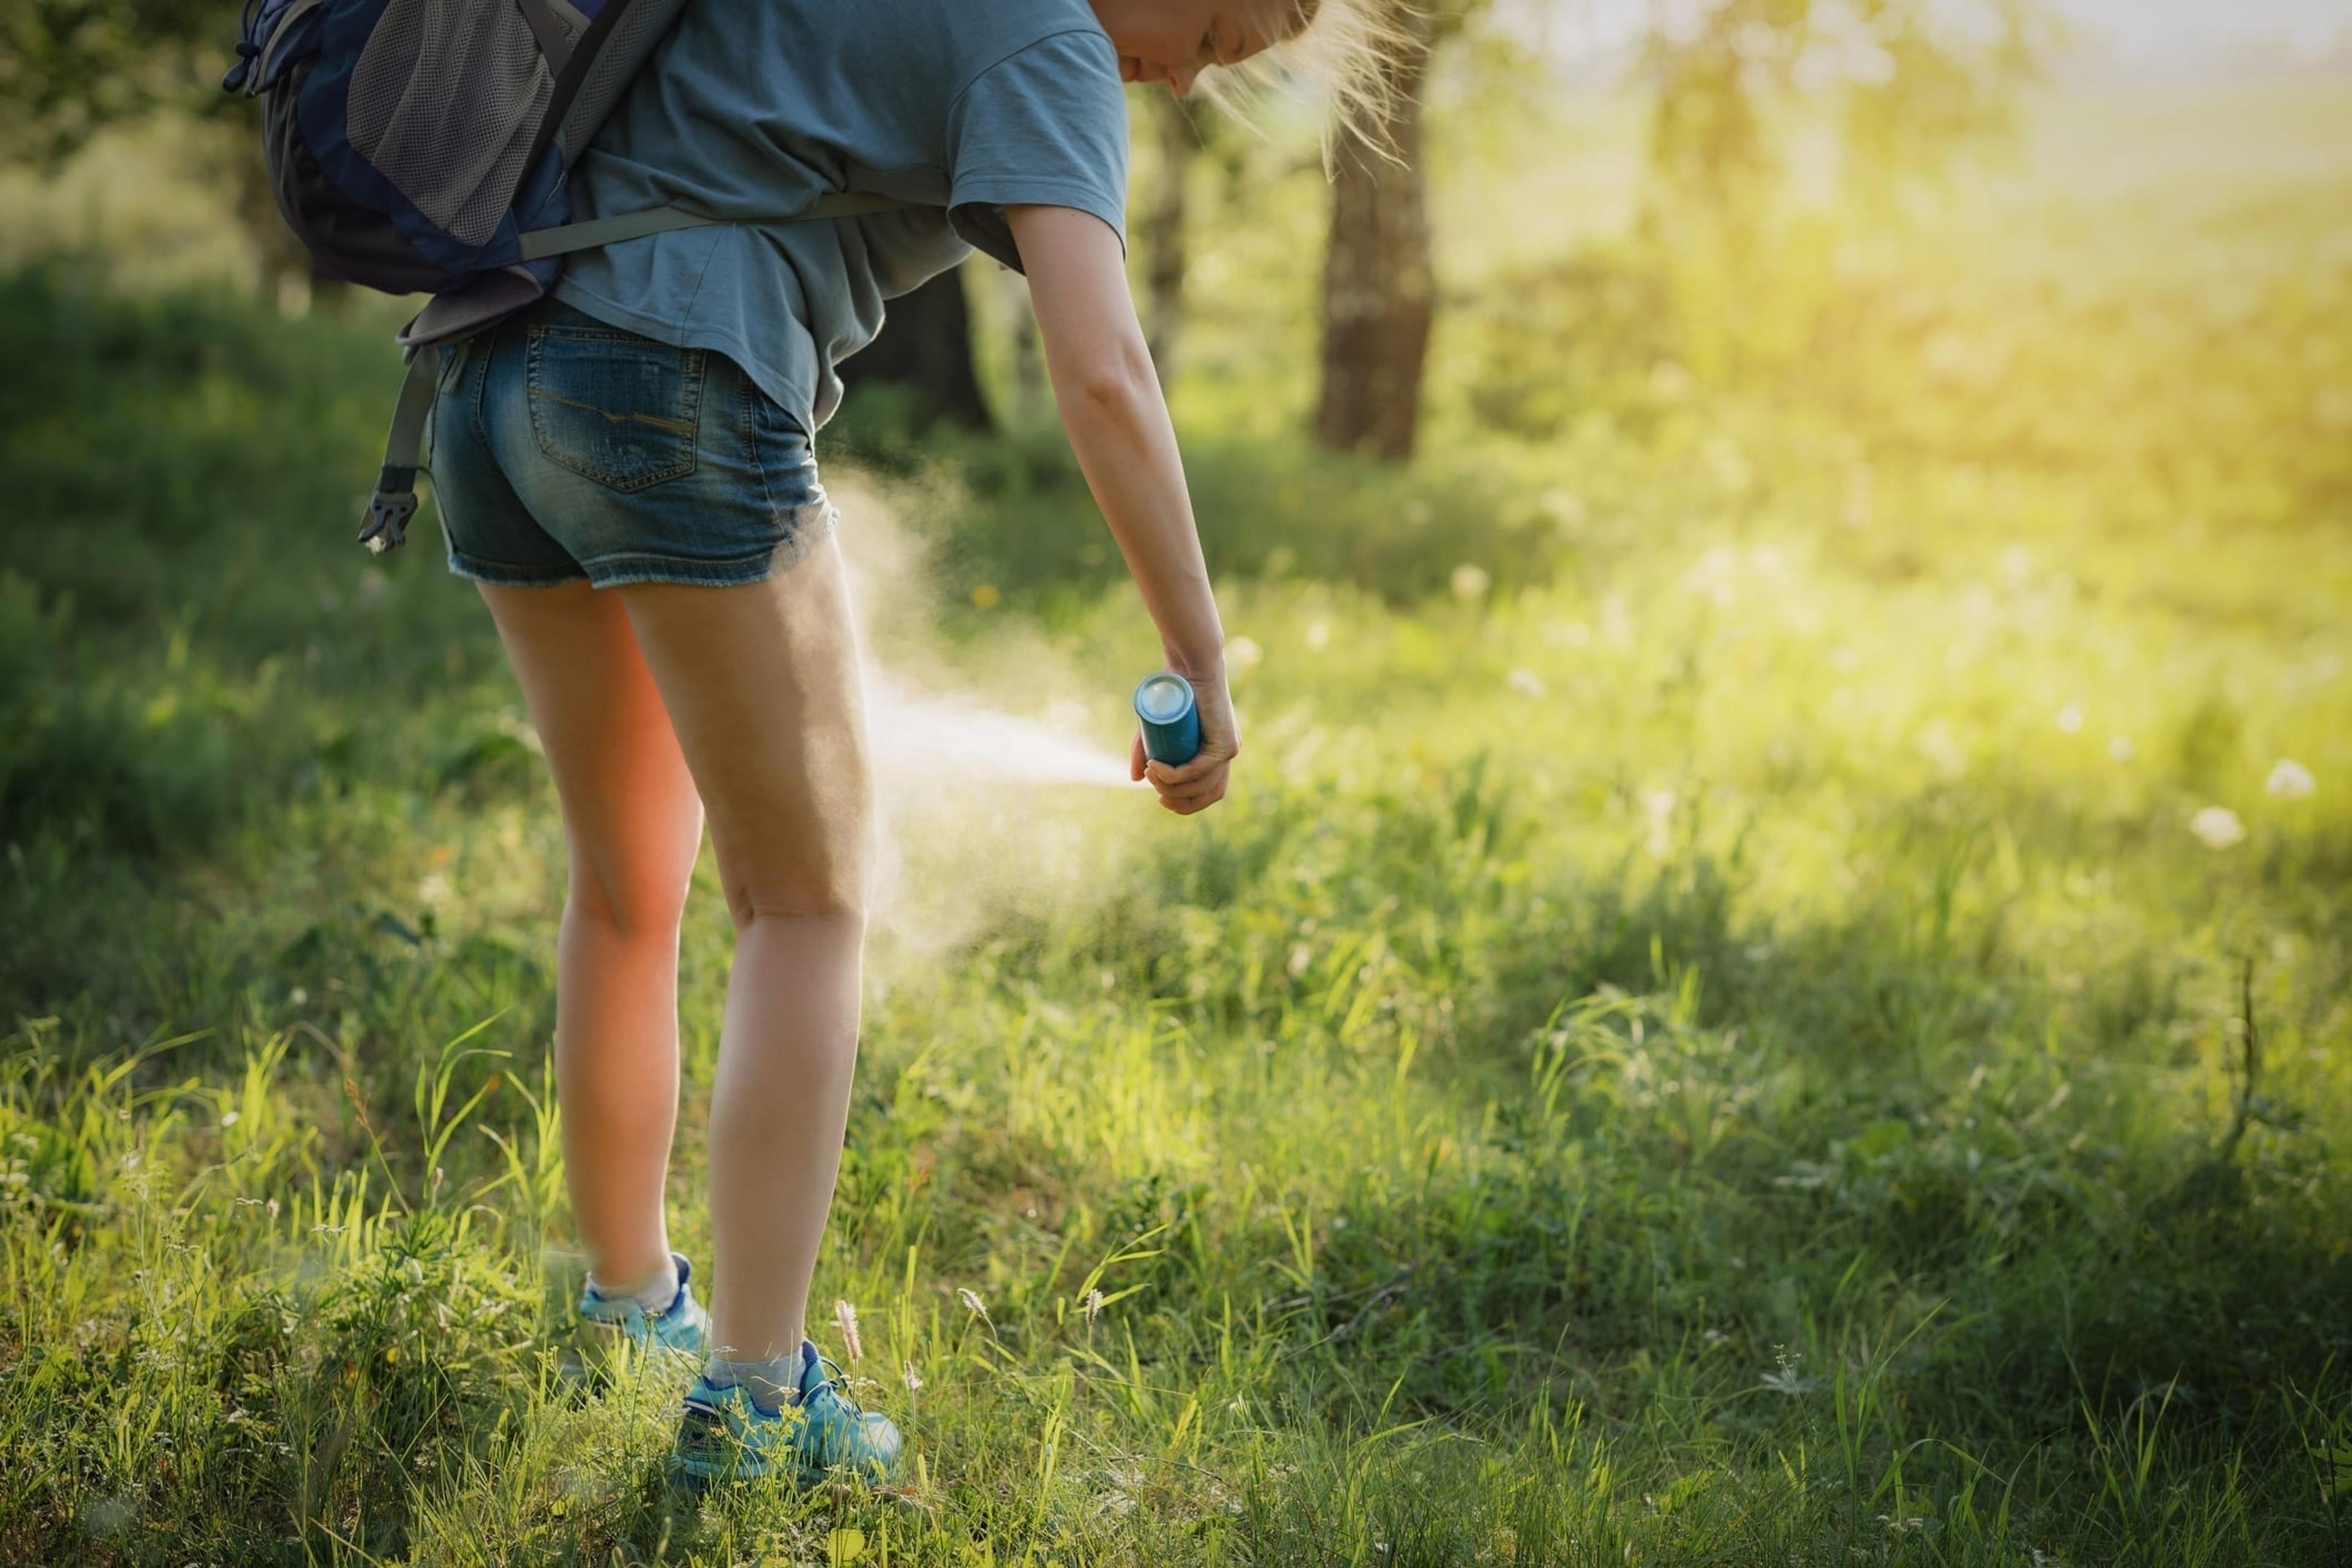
pixel 632 40
pixel 447 101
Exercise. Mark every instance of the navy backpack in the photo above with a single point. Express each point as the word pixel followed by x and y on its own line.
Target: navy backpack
pixel 422 147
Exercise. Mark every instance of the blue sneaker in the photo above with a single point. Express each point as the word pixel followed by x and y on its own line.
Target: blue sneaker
pixel 684 1328
pixel 726 1436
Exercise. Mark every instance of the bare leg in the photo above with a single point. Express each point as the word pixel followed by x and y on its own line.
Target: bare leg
pixel 761 684
pixel 634 824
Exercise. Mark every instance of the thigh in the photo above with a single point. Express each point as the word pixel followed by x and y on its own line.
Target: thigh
pixel 630 810
pixel 760 681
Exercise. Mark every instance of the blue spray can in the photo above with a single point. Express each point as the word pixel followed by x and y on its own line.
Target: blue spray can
pixel 1171 723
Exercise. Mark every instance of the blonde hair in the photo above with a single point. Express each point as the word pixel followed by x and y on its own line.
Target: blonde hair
pixel 1341 56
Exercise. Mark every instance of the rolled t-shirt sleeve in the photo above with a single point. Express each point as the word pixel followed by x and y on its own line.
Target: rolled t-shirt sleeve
pixel 1045 126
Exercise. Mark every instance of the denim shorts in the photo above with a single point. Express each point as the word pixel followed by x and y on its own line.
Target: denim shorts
pixel 566 449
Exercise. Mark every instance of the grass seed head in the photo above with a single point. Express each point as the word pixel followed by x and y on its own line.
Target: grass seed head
pixel 844 1318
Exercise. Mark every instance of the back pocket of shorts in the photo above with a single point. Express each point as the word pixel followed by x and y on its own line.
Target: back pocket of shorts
pixel 615 408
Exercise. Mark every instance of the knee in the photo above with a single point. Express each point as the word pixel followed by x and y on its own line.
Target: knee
pixel 634 904
pixel 815 901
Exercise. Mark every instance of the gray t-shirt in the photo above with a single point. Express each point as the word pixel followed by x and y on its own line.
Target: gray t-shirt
pixel 751 110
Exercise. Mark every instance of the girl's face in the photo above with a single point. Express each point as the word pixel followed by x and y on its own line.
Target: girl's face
pixel 1174 40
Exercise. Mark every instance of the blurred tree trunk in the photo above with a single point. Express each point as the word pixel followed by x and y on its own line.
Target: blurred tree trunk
pixel 1162 231
pixel 926 344
pixel 1028 359
pixel 1378 295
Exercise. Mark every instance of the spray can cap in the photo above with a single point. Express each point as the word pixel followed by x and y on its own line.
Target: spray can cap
pixel 1164 698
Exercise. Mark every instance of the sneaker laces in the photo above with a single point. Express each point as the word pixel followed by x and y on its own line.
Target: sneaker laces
pixel 838 1382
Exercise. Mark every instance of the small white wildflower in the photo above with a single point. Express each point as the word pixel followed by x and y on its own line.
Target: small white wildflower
pixel 1937 745
pixel 1658 805
pixel 1526 682
pixel 913 1379
pixel 1318 636
pixel 1242 653
pixel 844 1318
pixel 1094 1305
pixel 2217 827
pixel 2290 780
pixel 1788 1376
pixel 271 1206
pixel 1470 583
pixel 1715 577
pixel 973 1303
pixel 2070 720
pixel 2121 749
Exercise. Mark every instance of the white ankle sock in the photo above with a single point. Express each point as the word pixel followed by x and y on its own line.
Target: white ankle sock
pixel 773 1384
pixel 655 1292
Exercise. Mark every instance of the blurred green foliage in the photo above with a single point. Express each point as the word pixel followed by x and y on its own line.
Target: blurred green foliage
pixel 140 715
pixel 70 68
pixel 1913 83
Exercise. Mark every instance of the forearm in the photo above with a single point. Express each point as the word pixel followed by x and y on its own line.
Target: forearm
pixel 1118 428
pixel 1118 425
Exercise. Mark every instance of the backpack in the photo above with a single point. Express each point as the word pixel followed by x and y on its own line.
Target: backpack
pixel 424 146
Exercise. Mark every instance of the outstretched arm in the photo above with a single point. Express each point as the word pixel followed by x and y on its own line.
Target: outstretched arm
pixel 1118 425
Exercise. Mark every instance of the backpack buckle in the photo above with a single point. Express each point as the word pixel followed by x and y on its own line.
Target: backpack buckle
pixel 394 502
pixel 387 519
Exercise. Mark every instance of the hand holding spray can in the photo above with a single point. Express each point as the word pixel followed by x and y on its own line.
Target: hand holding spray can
pixel 1171 722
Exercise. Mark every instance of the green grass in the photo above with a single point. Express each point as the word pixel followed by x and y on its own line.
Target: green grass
pixel 1708 1041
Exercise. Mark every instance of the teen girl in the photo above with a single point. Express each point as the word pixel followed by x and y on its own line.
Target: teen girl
pixel 625 472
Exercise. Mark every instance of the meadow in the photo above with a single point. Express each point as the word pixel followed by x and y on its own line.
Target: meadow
pixel 1776 985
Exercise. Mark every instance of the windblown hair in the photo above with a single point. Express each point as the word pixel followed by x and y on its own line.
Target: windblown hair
pixel 1341 56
